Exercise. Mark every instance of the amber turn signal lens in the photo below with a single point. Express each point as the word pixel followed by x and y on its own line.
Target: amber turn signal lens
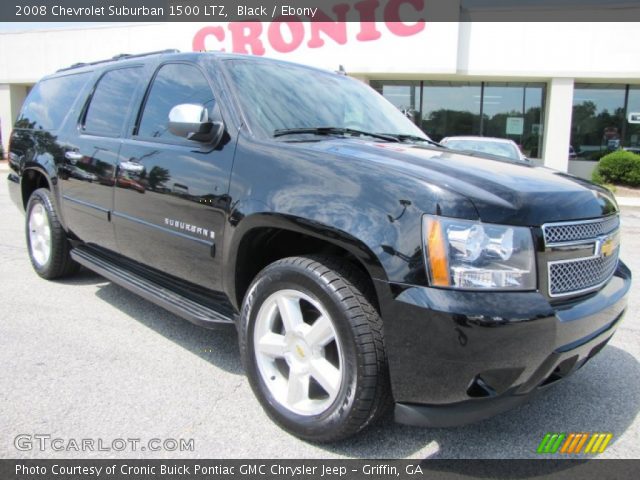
pixel 437 253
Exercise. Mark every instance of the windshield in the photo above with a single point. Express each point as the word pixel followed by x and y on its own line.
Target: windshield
pixel 500 149
pixel 276 97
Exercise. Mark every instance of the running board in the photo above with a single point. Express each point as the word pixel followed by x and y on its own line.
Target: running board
pixel 152 291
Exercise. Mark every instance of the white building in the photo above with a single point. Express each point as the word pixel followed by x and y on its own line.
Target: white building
pixel 545 85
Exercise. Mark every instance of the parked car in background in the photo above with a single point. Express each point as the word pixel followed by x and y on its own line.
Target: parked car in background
pixel 572 153
pixel 77 173
pixel 500 147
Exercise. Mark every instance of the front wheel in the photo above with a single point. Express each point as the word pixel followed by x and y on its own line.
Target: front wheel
pixel 312 345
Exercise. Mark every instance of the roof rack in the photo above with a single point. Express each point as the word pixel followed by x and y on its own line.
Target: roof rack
pixel 121 56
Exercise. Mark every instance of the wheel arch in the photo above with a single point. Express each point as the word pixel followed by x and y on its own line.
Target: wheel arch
pixel 263 238
pixel 31 179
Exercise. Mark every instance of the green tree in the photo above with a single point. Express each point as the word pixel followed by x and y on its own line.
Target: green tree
pixel 158 176
pixel 442 123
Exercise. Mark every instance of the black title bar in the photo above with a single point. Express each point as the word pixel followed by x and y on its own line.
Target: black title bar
pixel 317 10
pixel 317 469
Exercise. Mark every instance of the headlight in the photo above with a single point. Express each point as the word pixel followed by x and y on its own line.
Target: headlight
pixel 473 255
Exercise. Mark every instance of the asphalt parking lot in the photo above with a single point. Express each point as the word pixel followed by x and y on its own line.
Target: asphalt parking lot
pixel 84 358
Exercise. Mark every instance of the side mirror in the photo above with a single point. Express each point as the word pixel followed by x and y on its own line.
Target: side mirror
pixel 192 122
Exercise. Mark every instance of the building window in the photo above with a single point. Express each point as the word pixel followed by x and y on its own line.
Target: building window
pixel 598 119
pixel 632 131
pixel 404 95
pixel 496 109
pixel 515 111
pixel 451 108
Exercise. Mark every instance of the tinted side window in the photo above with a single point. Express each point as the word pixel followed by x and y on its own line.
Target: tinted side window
pixel 49 101
pixel 175 83
pixel 110 101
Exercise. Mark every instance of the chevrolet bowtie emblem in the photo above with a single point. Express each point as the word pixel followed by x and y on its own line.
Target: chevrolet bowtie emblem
pixel 607 245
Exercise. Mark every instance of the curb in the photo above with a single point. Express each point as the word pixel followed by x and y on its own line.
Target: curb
pixel 628 201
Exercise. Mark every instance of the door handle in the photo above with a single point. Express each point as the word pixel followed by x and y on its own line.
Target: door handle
pixel 73 156
pixel 132 167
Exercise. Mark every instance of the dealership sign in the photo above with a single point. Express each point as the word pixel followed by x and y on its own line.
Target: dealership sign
pixel 287 33
pixel 344 33
pixel 365 47
pixel 285 37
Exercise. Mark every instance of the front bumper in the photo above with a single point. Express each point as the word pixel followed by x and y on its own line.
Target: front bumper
pixel 457 357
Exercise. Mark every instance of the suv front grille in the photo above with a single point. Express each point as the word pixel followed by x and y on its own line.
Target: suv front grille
pixel 581 275
pixel 573 232
pixel 574 276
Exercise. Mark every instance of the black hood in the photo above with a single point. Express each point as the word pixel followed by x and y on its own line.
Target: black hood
pixel 502 191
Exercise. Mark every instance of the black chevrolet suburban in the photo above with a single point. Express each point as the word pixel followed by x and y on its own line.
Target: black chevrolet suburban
pixel 363 264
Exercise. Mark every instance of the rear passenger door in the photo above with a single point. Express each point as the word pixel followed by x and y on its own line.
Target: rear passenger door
pixel 88 171
pixel 171 193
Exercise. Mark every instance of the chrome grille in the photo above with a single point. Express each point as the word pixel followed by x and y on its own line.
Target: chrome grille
pixel 581 275
pixel 579 231
pixel 575 276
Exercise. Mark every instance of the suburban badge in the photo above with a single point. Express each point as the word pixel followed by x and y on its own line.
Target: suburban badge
pixel 187 227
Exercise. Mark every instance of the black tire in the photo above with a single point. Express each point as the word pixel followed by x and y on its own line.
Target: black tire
pixel 59 263
pixel 342 290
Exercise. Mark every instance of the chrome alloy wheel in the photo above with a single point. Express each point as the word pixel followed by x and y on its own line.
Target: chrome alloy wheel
pixel 39 235
pixel 298 352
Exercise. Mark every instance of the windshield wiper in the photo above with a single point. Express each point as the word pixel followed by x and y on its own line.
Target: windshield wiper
pixel 401 137
pixel 333 131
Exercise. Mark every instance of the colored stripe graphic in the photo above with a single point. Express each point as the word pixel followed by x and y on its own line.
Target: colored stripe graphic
pixel 573 443
pixel 543 443
pixel 581 442
pixel 598 443
pixel 606 442
pixel 556 445
pixel 565 447
pixel 551 442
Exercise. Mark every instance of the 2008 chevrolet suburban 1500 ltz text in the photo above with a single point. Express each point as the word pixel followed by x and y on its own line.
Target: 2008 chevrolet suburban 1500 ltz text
pixel 362 264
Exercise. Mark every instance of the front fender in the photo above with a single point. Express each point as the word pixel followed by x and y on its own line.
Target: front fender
pixel 253 217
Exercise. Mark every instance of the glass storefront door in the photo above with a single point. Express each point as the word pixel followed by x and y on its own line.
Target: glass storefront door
pixel 515 111
pixel 598 119
pixel 632 131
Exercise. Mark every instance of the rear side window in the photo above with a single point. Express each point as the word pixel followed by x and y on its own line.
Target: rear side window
pixel 110 101
pixel 175 83
pixel 49 102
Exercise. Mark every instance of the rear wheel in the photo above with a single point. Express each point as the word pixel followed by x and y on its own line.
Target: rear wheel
pixel 46 239
pixel 312 345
